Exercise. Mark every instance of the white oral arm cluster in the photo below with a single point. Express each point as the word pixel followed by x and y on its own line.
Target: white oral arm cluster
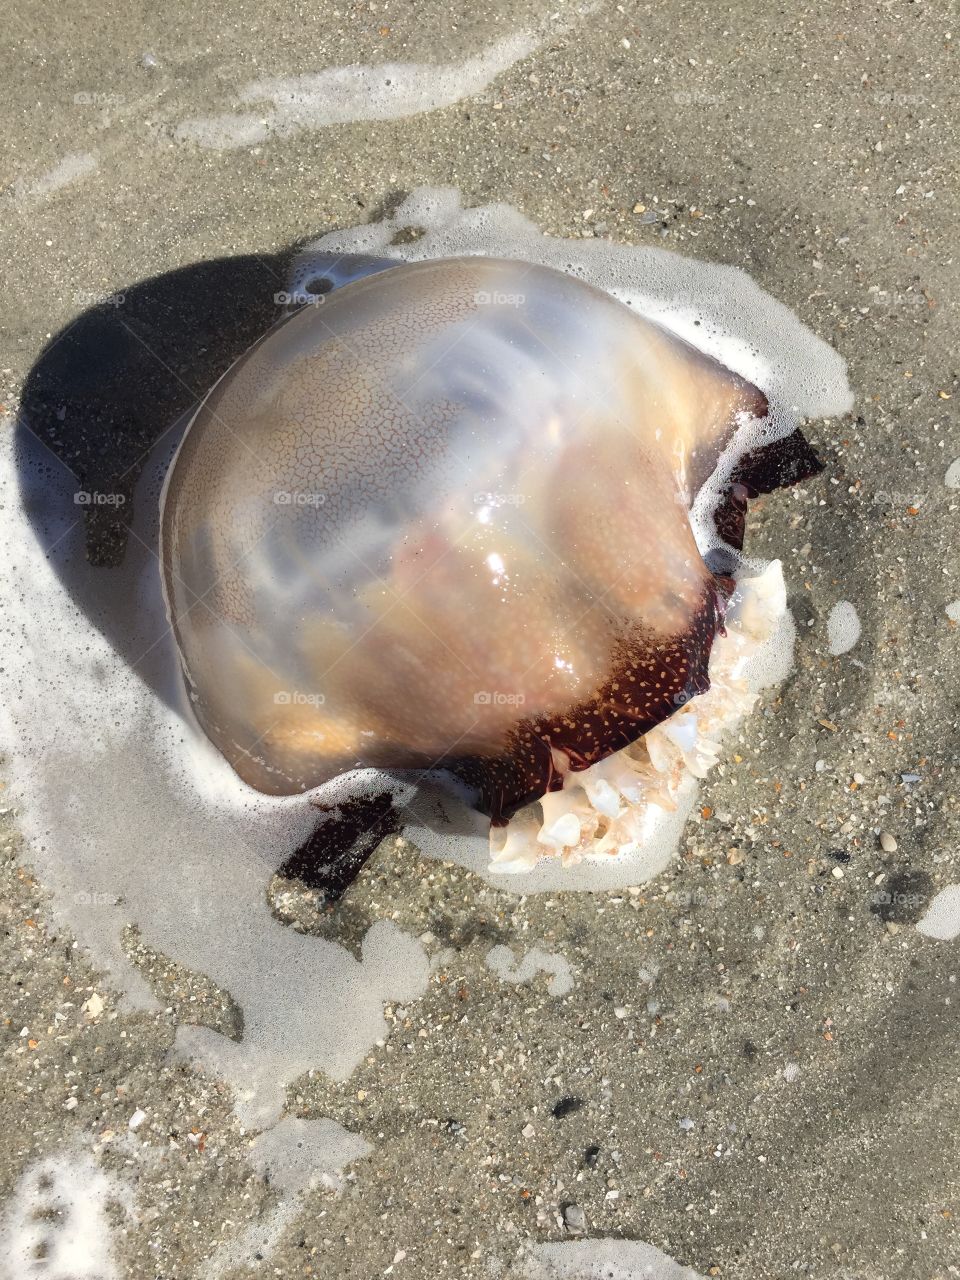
pixel 603 811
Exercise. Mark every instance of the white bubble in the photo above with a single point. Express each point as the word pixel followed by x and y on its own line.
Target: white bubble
pixel 942 917
pixel 843 628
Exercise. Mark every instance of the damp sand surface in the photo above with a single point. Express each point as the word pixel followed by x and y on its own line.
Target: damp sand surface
pixel 749 1065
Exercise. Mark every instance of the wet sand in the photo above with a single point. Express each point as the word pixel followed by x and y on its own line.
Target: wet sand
pixel 757 1067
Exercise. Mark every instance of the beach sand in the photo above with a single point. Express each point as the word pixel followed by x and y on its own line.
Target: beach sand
pixel 757 1069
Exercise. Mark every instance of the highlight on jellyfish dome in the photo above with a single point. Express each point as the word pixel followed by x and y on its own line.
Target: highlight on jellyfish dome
pixel 475 519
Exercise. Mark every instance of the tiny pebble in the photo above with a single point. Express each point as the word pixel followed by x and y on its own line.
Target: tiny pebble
pixel 838 873
pixel 69 1104
pixel 892 927
pixel 528 1131
pixel 620 1011
pixel 575 1219
pixel 137 1119
pixel 887 843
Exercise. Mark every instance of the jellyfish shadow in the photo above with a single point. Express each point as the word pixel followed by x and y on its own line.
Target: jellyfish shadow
pixel 103 410
pixel 108 398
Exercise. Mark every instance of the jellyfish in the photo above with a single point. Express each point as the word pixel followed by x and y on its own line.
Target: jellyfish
pixel 447 520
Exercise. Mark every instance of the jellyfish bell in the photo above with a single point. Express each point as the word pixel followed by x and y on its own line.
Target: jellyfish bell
pixel 444 522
